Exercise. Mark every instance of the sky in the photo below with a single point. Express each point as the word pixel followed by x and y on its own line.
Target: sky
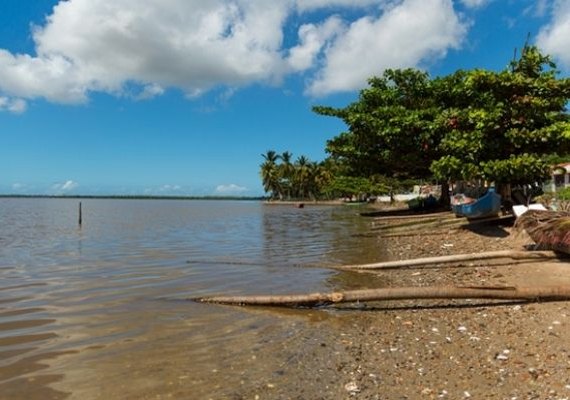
pixel 181 97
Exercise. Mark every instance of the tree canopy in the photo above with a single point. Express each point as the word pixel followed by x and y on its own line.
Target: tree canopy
pixel 390 127
pixel 469 125
pixel 286 180
pixel 501 126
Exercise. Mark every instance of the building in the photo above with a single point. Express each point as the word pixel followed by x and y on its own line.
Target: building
pixel 560 177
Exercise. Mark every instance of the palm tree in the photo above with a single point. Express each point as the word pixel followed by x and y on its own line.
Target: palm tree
pixel 286 173
pixel 270 173
pixel 302 175
pixel 321 177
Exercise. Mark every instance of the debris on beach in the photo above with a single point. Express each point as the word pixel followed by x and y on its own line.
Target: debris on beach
pixel 550 230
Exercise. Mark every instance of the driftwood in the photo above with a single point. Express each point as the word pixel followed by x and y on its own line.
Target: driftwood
pixel 458 258
pixel 404 293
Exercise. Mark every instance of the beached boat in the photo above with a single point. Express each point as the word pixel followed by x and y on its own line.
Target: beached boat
pixel 487 205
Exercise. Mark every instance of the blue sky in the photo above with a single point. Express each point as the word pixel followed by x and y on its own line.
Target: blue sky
pixel 181 97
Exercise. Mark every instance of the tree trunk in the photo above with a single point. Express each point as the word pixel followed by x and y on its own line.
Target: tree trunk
pixel 405 293
pixel 458 258
pixel 444 199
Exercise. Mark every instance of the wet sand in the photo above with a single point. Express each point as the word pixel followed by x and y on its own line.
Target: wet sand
pixel 434 349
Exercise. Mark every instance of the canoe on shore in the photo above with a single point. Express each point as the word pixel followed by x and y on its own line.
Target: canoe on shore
pixel 485 206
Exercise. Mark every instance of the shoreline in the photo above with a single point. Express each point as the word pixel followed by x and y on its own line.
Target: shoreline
pixel 303 202
pixel 418 349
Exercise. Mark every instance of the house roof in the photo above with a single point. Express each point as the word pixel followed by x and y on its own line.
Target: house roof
pixel 565 166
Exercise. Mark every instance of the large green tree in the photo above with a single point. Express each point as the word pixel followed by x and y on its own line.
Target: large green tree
pixel 494 126
pixel 501 126
pixel 390 127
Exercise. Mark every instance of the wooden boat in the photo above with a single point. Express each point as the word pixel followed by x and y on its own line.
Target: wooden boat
pixel 485 206
pixel 550 230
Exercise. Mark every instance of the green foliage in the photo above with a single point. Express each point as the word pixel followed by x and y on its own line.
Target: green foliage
pixel 287 180
pixel 563 194
pixel 451 166
pixel 554 159
pixel 501 126
pixel 469 125
pixel 390 127
pixel 522 169
pixel 348 186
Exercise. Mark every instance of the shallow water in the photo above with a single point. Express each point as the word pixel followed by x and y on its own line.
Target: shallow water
pixel 102 311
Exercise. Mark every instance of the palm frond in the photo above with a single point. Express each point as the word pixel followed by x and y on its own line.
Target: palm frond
pixel 549 229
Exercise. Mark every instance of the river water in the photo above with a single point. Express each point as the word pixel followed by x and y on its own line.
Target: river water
pixel 101 311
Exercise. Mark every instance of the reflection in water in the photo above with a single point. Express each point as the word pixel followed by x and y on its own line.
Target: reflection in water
pixel 100 312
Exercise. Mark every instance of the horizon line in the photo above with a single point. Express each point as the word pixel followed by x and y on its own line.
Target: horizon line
pixel 134 196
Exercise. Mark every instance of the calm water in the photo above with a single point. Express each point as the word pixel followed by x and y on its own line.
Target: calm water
pixel 102 311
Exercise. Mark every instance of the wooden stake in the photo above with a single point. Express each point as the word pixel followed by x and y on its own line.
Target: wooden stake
pixel 404 293
pixel 80 215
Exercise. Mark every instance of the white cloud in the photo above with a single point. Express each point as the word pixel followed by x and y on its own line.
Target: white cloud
pixel 554 38
pixel 411 32
pixel 140 48
pixel 475 3
pixel 308 5
pixel 150 91
pixel 14 105
pixel 169 188
pixel 65 186
pixel 97 45
pixel 312 39
pixel 18 186
pixel 230 189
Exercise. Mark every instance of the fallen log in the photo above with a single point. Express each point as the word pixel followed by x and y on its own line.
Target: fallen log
pixel 457 258
pixel 404 293
pixel 415 216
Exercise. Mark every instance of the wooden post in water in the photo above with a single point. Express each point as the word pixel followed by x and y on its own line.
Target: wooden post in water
pixel 80 216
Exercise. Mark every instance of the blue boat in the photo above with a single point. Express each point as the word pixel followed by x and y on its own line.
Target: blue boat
pixel 487 205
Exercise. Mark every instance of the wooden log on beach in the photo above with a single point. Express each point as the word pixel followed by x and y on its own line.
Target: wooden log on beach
pixel 540 293
pixel 441 214
pixel 457 258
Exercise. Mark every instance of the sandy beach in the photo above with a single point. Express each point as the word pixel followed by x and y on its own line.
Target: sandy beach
pixel 431 349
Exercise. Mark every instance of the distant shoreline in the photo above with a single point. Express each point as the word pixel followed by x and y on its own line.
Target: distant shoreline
pixel 128 197
pixel 303 202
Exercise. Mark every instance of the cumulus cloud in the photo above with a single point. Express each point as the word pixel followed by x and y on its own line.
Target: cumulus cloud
pixel 66 186
pixel 412 32
pixel 97 45
pixel 230 189
pixel 13 105
pixel 312 38
pixel 140 48
pixel 554 38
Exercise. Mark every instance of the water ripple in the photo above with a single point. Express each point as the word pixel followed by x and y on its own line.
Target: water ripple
pixel 83 310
